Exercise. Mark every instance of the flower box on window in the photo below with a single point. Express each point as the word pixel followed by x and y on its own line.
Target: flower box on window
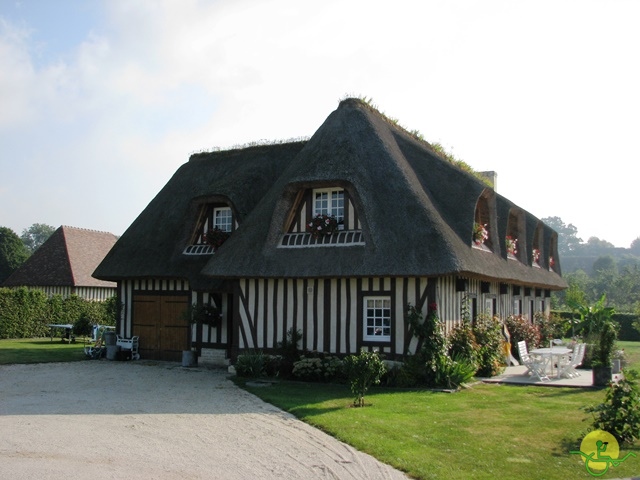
pixel 480 233
pixel 216 237
pixel 322 224
pixel 512 245
pixel 535 257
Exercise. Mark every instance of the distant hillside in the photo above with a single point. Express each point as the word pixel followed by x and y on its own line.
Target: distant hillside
pixel 584 261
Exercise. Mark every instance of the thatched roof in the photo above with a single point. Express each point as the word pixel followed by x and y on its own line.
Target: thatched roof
pixel 153 245
pixel 68 258
pixel 416 209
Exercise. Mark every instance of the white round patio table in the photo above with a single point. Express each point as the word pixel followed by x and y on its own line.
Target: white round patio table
pixel 551 356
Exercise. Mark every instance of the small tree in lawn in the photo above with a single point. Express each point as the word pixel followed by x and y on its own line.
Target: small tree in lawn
pixel 363 370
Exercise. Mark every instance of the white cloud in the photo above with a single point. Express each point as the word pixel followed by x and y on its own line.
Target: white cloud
pixel 537 91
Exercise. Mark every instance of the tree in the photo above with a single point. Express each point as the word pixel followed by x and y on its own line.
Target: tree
pixel 13 253
pixel 595 246
pixel 568 240
pixel 635 247
pixel 36 235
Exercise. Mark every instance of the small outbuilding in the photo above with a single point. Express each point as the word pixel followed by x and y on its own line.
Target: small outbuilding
pixel 64 264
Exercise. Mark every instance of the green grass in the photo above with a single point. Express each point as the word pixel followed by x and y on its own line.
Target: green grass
pixel 40 350
pixel 485 432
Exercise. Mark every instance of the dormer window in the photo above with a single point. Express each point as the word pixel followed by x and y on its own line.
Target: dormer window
pixel 481 235
pixel 329 201
pixel 215 224
pixel 318 207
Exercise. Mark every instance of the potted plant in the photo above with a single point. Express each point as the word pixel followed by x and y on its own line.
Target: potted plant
pixel 216 237
pixel 597 327
pixel 199 315
pixel 322 224
pixel 512 245
pixel 603 358
pixel 480 233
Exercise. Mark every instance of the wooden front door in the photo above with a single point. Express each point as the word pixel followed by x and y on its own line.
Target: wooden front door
pixel 162 325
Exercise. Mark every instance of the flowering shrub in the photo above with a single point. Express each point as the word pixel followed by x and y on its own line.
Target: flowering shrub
pixel 488 333
pixel 322 224
pixel 520 328
pixel 512 245
pixel 462 343
pixel 314 369
pixel 480 233
pixel 216 237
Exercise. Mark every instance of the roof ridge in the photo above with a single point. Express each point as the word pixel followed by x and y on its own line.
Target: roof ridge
pixel 86 229
pixel 263 142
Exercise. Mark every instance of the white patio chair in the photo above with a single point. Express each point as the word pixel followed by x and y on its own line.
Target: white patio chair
pixel 573 361
pixel 535 367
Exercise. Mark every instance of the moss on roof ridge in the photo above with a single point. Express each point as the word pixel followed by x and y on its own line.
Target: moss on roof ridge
pixel 249 145
pixel 436 147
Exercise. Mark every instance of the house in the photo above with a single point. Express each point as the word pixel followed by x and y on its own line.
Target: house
pixel 64 264
pixel 410 228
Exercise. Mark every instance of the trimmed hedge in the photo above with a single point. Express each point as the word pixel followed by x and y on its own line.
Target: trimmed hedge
pixel 624 320
pixel 26 313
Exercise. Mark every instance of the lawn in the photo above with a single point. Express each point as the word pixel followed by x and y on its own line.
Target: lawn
pixel 40 350
pixel 484 432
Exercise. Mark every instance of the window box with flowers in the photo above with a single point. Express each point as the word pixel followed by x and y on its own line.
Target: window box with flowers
pixel 512 246
pixel 216 237
pixel 480 233
pixel 535 257
pixel 552 263
pixel 321 225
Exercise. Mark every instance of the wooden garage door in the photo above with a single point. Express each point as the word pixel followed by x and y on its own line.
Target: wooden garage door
pixel 161 324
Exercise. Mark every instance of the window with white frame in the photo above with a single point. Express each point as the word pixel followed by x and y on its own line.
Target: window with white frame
pixel 329 201
pixel 517 306
pixel 222 219
pixel 377 319
pixel 489 306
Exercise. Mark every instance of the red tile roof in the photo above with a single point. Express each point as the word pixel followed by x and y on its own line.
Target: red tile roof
pixel 67 258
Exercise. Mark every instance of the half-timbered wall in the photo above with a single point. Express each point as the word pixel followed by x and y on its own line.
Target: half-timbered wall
pixel 329 312
pixel 213 336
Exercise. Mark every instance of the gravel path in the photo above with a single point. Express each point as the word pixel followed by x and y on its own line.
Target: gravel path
pixel 156 420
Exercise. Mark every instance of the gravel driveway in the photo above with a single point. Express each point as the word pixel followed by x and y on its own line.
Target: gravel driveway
pixel 157 420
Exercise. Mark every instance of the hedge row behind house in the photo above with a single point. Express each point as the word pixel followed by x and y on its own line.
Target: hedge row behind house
pixel 627 331
pixel 26 313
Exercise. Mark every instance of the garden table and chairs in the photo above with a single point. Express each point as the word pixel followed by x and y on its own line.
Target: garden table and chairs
pixel 552 358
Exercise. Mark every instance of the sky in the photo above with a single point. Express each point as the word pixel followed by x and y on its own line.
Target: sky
pixel 102 101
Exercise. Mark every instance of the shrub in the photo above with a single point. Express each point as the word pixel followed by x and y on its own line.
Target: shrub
pixel 488 333
pixel 520 328
pixel 288 351
pixel 619 414
pixel 550 326
pixel 431 339
pixel 251 364
pixel 317 368
pixel 453 372
pixel 363 370
pixel 462 344
pixel 25 313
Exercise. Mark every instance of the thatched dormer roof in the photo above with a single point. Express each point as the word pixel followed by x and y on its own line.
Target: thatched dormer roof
pixel 416 210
